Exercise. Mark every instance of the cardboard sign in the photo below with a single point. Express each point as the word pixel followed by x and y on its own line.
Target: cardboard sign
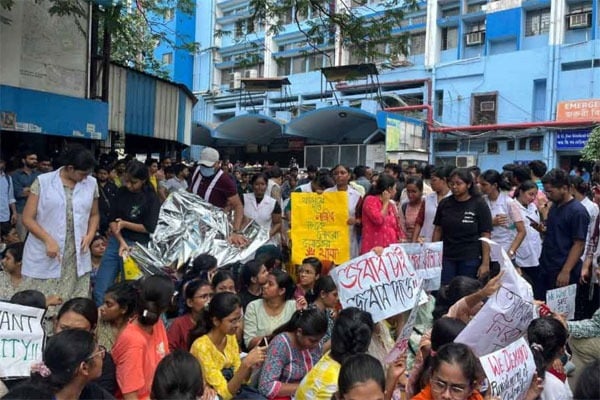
pixel 319 227
pixel 21 339
pixel 401 344
pixel 506 315
pixel 562 300
pixel 383 285
pixel 509 370
pixel 427 260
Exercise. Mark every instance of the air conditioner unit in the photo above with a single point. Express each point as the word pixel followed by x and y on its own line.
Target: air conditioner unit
pixel 489 105
pixel 235 81
pixel 465 161
pixel 475 38
pixel 580 20
pixel 251 73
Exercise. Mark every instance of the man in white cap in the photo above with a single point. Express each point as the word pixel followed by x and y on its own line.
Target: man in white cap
pixel 216 187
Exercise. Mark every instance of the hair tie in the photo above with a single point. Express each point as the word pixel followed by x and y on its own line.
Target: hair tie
pixel 41 369
pixel 537 346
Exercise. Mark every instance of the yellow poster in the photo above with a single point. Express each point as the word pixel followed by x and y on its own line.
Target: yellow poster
pixel 319 227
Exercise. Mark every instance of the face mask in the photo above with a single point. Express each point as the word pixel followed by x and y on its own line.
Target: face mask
pixel 207 172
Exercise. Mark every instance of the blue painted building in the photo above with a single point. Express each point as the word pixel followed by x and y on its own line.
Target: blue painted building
pixel 489 77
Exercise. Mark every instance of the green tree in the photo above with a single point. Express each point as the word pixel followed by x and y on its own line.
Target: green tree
pixel 591 150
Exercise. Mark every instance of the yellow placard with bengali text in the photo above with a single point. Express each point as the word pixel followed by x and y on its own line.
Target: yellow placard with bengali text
pixel 319 227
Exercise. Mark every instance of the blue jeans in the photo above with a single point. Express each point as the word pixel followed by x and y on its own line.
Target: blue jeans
pixel 110 267
pixel 454 268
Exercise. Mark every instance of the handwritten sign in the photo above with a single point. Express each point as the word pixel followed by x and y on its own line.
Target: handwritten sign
pixel 401 344
pixel 319 227
pixel 562 300
pixel 506 315
pixel 509 370
pixel 21 339
pixel 383 285
pixel 427 260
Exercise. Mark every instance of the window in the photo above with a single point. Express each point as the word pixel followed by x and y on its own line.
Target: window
pixel 167 58
pixel 483 108
pixel 471 8
pixel 449 38
pixel 417 43
pixel 492 147
pixel 523 144
pixel 580 15
pixel 439 103
pixel 450 12
pixel 535 143
pixel 537 22
pixel 510 145
pixel 284 66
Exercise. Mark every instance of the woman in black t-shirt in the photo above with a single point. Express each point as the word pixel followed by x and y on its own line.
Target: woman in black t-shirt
pixel 460 221
pixel 133 217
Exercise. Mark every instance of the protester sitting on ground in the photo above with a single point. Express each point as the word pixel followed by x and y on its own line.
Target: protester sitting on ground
pixel 97 249
pixel 11 280
pixel 308 273
pixel 120 302
pixel 133 217
pixel 29 298
pixel 547 338
pixel 223 281
pixel 325 298
pixel 351 335
pixel 178 376
pixel 216 348
pixel 81 313
pixel 72 361
pixel 362 378
pixel 444 331
pixel 274 309
pixel 143 343
pixel 9 234
pixel 197 295
pixel 292 352
pixel 253 277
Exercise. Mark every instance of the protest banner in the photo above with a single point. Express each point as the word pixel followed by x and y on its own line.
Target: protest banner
pixel 427 261
pixel 509 370
pixel 21 339
pixel 319 227
pixel 562 300
pixel 506 315
pixel 383 285
pixel 401 344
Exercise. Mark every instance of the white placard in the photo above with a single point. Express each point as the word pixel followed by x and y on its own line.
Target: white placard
pixel 562 300
pixel 21 339
pixel 383 285
pixel 509 370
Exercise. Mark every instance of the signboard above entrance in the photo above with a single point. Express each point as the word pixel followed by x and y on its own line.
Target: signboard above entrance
pixel 578 110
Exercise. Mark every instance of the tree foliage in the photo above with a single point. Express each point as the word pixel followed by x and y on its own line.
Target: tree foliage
pixel 591 150
pixel 134 31
pixel 356 24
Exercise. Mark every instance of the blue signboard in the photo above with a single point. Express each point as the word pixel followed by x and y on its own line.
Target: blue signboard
pixel 572 140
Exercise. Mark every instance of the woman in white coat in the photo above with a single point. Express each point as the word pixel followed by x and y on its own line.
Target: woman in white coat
pixel 61 215
pixel 263 209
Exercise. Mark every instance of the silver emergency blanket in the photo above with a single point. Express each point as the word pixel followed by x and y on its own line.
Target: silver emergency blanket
pixel 187 227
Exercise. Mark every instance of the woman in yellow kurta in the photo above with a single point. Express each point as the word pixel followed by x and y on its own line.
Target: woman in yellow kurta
pixel 215 346
pixel 351 335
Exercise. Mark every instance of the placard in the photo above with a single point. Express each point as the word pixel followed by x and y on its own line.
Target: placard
pixel 504 318
pixel 401 344
pixel 509 370
pixel 319 227
pixel 21 339
pixel 562 300
pixel 427 261
pixel 383 285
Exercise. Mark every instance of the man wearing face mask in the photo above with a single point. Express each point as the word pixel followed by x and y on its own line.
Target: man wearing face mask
pixel 216 187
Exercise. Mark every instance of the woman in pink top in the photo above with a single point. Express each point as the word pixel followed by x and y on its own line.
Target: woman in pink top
pixel 380 217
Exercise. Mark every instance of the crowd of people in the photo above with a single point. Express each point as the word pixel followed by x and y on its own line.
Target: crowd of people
pixel 254 331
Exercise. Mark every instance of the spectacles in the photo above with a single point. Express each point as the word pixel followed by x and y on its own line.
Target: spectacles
pixel 438 386
pixel 101 351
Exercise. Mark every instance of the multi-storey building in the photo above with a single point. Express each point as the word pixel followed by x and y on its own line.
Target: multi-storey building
pixel 492 82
